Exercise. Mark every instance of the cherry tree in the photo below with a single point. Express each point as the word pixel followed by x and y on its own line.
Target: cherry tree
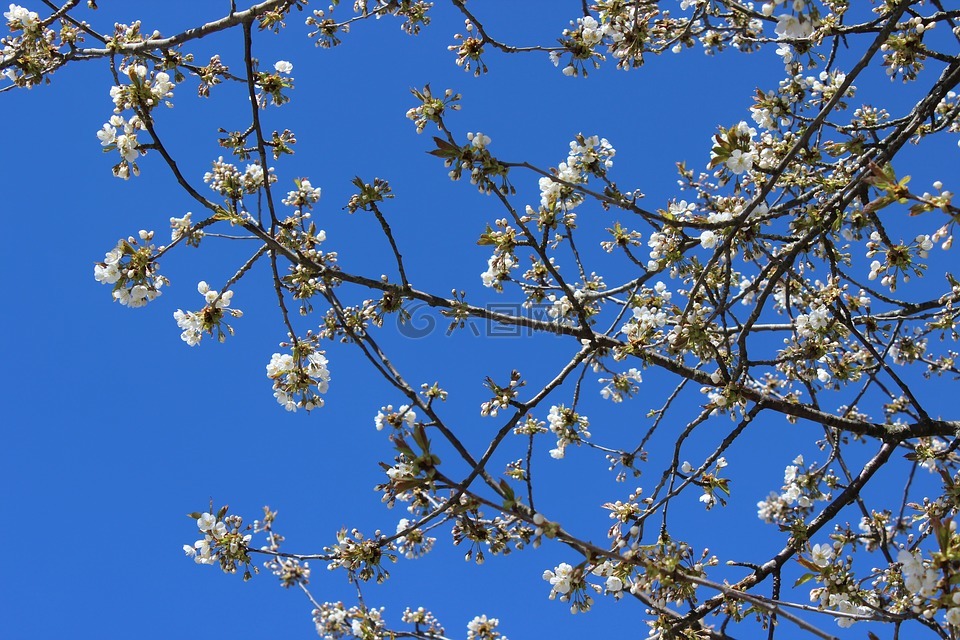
pixel 794 277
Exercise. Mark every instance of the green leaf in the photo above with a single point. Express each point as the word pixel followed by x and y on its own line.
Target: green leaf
pixel 443 145
pixel 807 577
pixel 485 238
pixel 407 485
pixel 223 214
pixel 420 437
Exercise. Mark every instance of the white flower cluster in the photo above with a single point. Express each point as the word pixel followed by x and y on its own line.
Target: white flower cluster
pixel 224 178
pixel 793 27
pixel 304 196
pixel 904 61
pixel 138 295
pixel 734 207
pixel 825 86
pixel 32 51
pixel 897 259
pixel 681 209
pixel 591 155
pixel 590 32
pixel 126 143
pixel 772 111
pixel 619 27
pixel 227 180
pixel 907 349
pixel 708 239
pixel 918 578
pixel 568 426
pixel 195 323
pixel 808 325
pixel 396 419
pixel 822 554
pixel 569 584
pixel 837 593
pixel 479 140
pixel 740 159
pixel 777 507
pixel 132 272
pixel 944 231
pixel 144 92
pixel 289 570
pixel 719 399
pixel 476 159
pixel 747 291
pixel 662 244
pixel 792 492
pixel 565 582
pixel 932 446
pixel 588 156
pixel 400 470
pixel 413 544
pixel 649 316
pixel 841 603
pixel 203 550
pixel 109 271
pixel 621 385
pixel 880 524
pixel 614 585
pixel 952 615
pixel 20 18
pixel 560 308
pixel 560 579
pixel 334 621
pixel 425 621
pixel 214 298
pixel 181 228
pixel 924 582
pixel 708 497
pixel 431 108
pixel 294 379
pixel 503 259
pixel 584 35
pixel 556 196
pixel 789 25
pixel 252 178
pixel 484 628
pixel 498 268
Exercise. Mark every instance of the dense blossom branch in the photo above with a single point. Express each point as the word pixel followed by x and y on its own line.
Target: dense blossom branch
pixel 785 286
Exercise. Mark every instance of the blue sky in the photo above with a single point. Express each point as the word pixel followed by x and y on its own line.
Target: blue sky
pixel 114 428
